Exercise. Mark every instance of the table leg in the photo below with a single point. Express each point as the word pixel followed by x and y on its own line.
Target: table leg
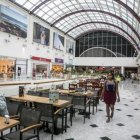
pixel 1 137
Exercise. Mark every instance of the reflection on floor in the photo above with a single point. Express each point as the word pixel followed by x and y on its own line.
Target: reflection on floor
pixel 124 125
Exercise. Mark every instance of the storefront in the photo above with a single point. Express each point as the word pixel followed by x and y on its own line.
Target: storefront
pixel 57 68
pixel 40 67
pixel 11 68
pixel 21 68
pixel 7 67
pixel 58 65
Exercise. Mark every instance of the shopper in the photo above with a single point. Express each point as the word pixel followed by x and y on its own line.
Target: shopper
pixel 109 93
pixel 3 106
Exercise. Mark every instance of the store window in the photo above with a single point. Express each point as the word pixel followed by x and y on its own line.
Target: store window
pixel 7 68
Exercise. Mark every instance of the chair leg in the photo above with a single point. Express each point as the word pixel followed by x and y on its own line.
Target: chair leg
pixel 66 121
pixel 62 121
pixel 84 119
pixel 96 104
pixel 52 130
pixel 38 134
pixel 1 137
pixel 89 110
pixel 93 107
pixel 71 115
pixel 84 115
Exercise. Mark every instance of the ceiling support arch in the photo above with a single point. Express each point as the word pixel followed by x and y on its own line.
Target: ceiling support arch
pixel 129 9
pixel 103 23
pixel 38 6
pixel 99 11
pixel 98 48
pixel 117 1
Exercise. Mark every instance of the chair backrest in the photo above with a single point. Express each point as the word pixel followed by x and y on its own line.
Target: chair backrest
pixel 46 109
pixel 59 86
pixel 44 94
pixel 34 93
pixel 29 116
pixel 79 100
pixel 13 107
pixel 65 97
pixel 80 89
pixel 82 84
pixel 72 86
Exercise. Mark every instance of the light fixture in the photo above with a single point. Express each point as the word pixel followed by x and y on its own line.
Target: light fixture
pixel 24 45
pixel 6 40
pixel 37 48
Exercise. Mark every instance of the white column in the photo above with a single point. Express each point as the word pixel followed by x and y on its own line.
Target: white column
pixel 50 66
pixel 29 68
pixel 122 70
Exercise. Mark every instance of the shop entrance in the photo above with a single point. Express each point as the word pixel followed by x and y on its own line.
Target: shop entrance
pixel 40 70
pixel 7 68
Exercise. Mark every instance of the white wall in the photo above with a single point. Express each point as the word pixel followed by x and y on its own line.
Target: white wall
pixel 14 48
pixel 107 61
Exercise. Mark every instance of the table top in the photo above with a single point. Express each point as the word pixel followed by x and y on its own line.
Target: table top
pixel 30 98
pixel 72 92
pixel 4 126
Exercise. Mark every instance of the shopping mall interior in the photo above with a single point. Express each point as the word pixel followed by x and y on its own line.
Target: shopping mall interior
pixel 69 69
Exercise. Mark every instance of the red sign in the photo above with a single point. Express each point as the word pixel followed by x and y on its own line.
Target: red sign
pixel 100 68
pixel 41 59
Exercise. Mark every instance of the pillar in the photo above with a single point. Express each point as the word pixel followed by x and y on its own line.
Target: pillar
pixel 29 68
pixel 122 70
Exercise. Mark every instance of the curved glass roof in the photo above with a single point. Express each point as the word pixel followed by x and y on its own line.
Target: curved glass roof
pixel 85 28
pixel 67 15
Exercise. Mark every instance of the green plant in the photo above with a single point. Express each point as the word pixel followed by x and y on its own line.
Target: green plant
pixel 73 71
pixel 65 71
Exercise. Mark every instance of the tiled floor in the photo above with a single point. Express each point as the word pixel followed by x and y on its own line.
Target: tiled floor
pixel 124 126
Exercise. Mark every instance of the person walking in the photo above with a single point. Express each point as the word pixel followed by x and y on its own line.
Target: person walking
pixel 109 94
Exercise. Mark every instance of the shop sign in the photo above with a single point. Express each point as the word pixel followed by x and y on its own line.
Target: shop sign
pixel 58 60
pixel 40 59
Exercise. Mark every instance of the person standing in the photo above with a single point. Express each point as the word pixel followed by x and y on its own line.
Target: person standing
pixel 110 93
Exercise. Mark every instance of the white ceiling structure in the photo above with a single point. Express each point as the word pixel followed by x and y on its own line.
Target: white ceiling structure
pixel 75 17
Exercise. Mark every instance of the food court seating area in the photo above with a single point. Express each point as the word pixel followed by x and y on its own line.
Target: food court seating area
pixel 35 110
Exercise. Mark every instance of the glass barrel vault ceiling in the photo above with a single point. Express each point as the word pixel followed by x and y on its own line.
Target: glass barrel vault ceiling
pixel 74 17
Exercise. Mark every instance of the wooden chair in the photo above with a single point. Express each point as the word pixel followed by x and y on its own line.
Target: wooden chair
pixel 72 86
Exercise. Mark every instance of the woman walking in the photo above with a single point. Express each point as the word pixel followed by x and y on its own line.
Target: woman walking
pixel 109 93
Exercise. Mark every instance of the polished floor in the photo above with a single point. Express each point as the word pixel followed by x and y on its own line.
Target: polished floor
pixel 124 126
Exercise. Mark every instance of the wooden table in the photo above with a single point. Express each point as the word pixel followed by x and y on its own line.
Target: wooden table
pixel 4 126
pixel 91 96
pixel 72 92
pixel 30 98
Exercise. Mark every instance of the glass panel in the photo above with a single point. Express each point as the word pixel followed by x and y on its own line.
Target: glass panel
pixel 21 2
pixel 103 44
pixel 54 9
pixel 28 5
